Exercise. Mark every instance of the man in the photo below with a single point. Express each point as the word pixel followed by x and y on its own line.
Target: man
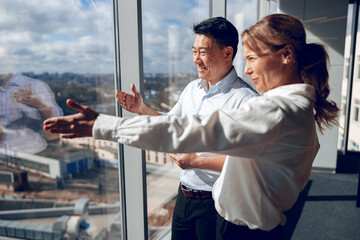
pixel 24 104
pixel 218 87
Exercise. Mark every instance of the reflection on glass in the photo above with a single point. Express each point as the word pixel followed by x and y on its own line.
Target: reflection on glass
pixel 25 102
pixel 242 14
pixel 168 68
pixel 345 80
pixel 354 121
pixel 274 5
pixel 61 49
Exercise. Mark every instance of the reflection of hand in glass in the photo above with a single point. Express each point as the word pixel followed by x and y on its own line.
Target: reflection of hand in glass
pixel 134 102
pixel 25 96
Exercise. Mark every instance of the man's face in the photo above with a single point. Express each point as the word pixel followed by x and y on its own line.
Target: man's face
pixel 211 62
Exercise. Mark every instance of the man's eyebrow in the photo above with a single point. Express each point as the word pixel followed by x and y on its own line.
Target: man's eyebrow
pixel 206 48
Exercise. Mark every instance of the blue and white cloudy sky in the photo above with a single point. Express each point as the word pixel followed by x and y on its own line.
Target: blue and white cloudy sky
pixel 77 35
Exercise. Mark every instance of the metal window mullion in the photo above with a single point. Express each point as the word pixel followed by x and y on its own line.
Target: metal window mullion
pixel 351 74
pixel 263 8
pixel 217 8
pixel 117 85
pixel 128 69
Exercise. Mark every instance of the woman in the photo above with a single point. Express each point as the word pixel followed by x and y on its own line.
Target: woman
pixel 270 141
pixel 294 78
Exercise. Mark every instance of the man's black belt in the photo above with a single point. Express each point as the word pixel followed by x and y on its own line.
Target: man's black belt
pixel 197 194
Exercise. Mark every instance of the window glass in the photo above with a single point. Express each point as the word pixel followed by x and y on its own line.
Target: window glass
pixel 354 124
pixel 243 14
pixel 274 5
pixel 51 51
pixel 354 118
pixel 356 112
pixel 168 68
pixel 346 75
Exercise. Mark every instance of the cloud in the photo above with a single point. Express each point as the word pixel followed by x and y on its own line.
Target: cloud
pixel 160 18
pixel 77 35
pixel 59 36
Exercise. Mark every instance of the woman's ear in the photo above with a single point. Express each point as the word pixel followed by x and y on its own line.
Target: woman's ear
pixel 229 51
pixel 288 53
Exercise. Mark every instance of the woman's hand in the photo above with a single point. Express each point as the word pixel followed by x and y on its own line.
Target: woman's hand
pixel 73 126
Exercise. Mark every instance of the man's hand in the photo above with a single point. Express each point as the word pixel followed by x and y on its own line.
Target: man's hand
pixel 73 126
pixel 134 102
pixel 130 102
pixel 186 160
pixel 192 160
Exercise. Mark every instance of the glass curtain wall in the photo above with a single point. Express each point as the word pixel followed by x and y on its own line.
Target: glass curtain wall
pixel 351 76
pixel 168 68
pixel 354 118
pixel 345 80
pixel 243 14
pixel 51 51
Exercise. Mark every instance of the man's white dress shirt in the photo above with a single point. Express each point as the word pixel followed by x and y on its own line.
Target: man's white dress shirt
pixel 271 141
pixel 197 99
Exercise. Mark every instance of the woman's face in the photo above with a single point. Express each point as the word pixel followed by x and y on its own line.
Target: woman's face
pixel 265 70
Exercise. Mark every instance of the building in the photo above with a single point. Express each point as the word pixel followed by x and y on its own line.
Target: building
pixel 61 164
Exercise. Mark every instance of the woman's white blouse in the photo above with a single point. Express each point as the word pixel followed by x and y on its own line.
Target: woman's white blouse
pixel 270 141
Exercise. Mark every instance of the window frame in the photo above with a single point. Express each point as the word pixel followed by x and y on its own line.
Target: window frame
pixel 347 159
pixel 129 69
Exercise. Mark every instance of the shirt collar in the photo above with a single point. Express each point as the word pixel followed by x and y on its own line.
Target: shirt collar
pixel 224 84
pixel 302 89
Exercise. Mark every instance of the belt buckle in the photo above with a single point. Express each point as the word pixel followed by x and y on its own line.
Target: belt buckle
pixel 188 192
pixel 192 193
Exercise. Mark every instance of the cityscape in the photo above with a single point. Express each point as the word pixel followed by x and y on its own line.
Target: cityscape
pixel 68 170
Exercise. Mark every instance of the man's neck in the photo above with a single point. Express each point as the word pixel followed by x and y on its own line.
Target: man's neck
pixel 5 79
pixel 214 82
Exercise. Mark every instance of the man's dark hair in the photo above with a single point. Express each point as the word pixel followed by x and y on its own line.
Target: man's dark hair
pixel 220 30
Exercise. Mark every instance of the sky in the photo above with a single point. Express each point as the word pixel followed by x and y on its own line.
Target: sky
pixel 60 36
pixel 77 35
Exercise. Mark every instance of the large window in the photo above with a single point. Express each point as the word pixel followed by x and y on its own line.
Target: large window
pixel 350 123
pixel 346 76
pixel 168 68
pixel 51 51
pixel 238 14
